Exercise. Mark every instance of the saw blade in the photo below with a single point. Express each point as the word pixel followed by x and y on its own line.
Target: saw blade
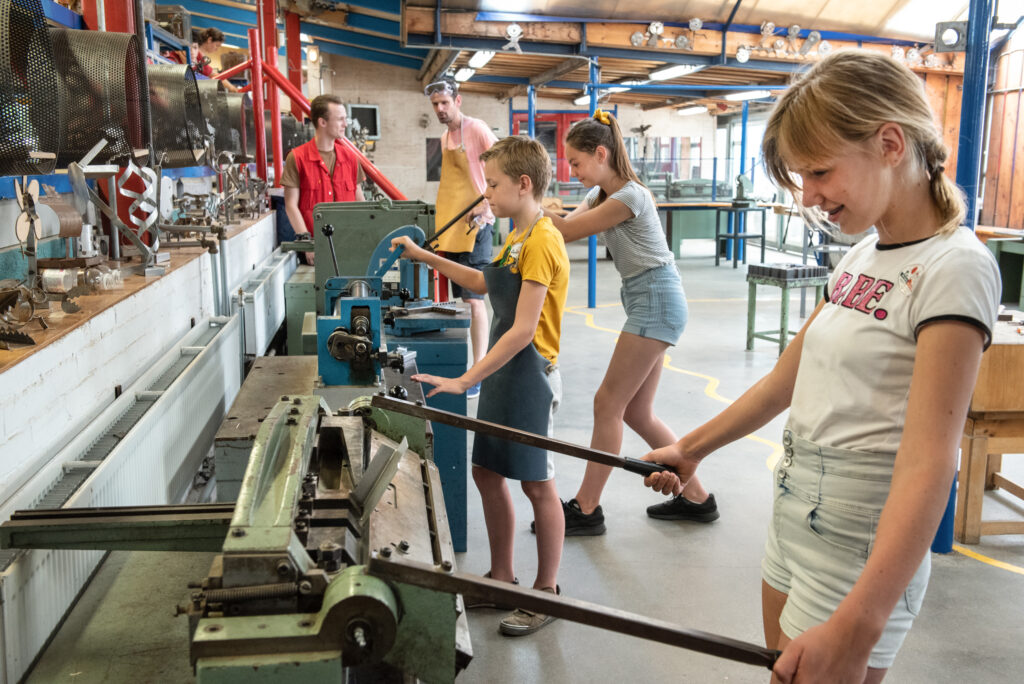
pixel 68 306
pixel 12 336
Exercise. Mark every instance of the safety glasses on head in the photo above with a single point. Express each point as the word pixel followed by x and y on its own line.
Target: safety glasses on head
pixel 443 87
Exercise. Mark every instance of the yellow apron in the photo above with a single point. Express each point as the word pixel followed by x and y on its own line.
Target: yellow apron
pixel 455 192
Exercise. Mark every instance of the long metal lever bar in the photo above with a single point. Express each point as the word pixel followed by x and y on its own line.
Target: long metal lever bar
pixel 483 588
pixel 633 465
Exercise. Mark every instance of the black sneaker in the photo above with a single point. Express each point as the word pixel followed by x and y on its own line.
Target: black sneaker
pixel 472 604
pixel 578 523
pixel 681 508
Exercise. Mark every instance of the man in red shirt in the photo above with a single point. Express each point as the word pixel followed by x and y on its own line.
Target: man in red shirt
pixel 321 170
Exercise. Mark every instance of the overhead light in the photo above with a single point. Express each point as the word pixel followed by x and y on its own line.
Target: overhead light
pixel 304 38
pixel 674 71
pixel 582 100
pixel 617 89
pixel 312 53
pixel 748 95
pixel 690 111
pixel 480 58
pixel 464 74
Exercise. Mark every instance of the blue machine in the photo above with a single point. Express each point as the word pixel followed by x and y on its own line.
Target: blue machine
pixel 375 321
pixel 364 310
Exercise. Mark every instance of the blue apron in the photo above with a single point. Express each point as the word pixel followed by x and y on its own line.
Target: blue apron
pixel 517 395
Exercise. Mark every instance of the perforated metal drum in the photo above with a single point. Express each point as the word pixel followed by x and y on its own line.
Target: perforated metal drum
pixel 178 124
pixel 30 112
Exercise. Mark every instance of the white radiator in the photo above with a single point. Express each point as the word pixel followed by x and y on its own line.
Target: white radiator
pixel 262 300
pixel 179 404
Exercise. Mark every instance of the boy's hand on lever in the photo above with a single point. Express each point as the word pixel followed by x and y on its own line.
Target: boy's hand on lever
pixel 449 385
pixel 409 249
pixel 669 482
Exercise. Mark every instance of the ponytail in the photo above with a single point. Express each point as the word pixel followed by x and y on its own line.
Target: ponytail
pixel 603 131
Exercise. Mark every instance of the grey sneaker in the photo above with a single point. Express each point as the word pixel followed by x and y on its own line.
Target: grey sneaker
pixel 521 622
pixel 472 604
pixel 681 508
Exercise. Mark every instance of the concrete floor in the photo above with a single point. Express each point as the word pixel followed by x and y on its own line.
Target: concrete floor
pixel 703 577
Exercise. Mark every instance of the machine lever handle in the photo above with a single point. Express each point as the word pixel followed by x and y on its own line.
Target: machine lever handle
pixel 633 465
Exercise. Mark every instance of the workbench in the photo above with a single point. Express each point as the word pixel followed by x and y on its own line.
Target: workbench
pixel 995 426
pixel 678 227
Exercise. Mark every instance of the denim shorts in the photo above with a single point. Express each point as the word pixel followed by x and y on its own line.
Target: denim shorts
pixel 655 304
pixel 827 505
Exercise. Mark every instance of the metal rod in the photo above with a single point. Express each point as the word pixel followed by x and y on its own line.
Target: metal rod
pixel 483 427
pixel 583 612
pixel 257 104
pixel 455 220
pixel 234 71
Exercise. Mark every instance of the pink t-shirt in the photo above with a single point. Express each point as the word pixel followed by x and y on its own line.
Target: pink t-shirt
pixel 476 138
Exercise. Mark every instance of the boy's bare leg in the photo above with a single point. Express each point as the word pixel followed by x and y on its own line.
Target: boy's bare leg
pixel 500 517
pixel 550 526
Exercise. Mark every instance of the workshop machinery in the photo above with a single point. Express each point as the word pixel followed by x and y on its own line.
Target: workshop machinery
pixel 377 308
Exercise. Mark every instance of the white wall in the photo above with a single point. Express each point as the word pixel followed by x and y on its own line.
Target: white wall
pixel 401 152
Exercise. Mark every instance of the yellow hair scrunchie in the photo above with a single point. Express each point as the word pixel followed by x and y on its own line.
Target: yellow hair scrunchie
pixel 603 117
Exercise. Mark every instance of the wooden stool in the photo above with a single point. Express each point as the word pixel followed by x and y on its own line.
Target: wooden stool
pixel 783 276
pixel 995 426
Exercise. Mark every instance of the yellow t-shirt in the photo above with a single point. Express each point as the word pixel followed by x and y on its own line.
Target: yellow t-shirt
pixel 542 259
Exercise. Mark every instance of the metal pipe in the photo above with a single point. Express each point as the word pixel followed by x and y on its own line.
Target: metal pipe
pixel 595 76
pixel 725 31
pixel 234 71
pixel 531 109
pixel 273 103
pixel 257 104
pixel 972 110
pixel 293 46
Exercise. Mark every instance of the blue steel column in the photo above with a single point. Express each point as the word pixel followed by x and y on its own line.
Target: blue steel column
pixel 972 111
pixel 531 111
pixel 511 116
pixel 741 219
pixel 592 240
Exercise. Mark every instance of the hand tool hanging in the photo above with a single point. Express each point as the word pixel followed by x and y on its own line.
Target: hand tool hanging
pixel 455 220
pixel 633 465
pixel 486 589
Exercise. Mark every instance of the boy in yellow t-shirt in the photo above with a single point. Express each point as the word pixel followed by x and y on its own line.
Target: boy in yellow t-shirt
pixel 527 285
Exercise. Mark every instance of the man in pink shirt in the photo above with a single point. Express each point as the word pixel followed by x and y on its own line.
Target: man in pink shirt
pixel 462 180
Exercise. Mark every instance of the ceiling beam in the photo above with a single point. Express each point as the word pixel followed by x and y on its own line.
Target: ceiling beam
pixel 568 66
pixel 668 102
pixel 445 58
pixel 613 39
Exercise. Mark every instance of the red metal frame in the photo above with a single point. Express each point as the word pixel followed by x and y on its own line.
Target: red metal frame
pixel 260 66
pixel 293 45
pixel 563 121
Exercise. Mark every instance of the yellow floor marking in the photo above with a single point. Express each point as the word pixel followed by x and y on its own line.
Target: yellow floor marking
pixel 989 561
pixel 711 383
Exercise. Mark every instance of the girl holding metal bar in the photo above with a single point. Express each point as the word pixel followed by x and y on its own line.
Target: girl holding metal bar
pixel 619 206
pixel 877 382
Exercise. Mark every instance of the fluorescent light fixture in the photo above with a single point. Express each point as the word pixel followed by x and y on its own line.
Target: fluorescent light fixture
pixel 304 38
pixel 690 111
pixel 582 100
pixel 230 46
pixel 464 74
pixel 481 58
pixel 674 71
pixel 748 95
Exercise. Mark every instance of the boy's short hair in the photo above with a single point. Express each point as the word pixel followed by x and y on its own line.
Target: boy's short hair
pixel 518 156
